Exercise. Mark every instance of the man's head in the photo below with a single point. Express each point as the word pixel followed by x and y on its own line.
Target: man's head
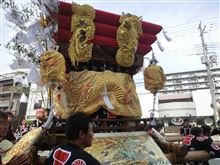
pixel 196 131
pixel 24 122
pixel 4 124
pixel 40 113
pixel 10 116
pixel 79 129
pixel 206 130
pixel 186 123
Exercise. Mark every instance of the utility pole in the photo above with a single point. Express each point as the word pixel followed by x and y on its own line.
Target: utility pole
pixel 207 63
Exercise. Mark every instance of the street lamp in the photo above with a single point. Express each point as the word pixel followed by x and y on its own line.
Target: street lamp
pixel 154 80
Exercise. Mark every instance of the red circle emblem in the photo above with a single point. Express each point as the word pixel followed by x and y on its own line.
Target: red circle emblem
pixel 79 162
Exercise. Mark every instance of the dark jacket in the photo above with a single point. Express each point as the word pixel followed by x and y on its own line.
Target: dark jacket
pixel 70 154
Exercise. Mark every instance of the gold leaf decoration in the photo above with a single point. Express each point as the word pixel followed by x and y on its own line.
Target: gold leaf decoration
pixel 52 67
pixel 127 37
pixel 23 145
pixel 84 92
pixel 154 78
pixel 83 28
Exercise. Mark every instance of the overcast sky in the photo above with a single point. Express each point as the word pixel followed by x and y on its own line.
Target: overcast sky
pixel 177 17
pixel 181 20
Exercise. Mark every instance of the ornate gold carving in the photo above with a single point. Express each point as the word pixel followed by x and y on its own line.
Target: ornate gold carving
pixel 52 67
pixel 154 78
pixel 83 10
pixel 60 103
pixel 23 145
pixel 84 92
pixel 127 37
pixel 83 28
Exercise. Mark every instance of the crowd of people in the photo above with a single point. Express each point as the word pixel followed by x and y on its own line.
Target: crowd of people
pixel 6 144
pixel 199 138
pixel 80 134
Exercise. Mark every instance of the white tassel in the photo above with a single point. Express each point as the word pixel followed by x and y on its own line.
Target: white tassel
pixel 18 79
pixel 33 75
pixel 106 99
pixel 49 121
pixel 107 102
pixel 36 100
pixel 33 30
pixel 20 63
pixel 160 46
pixel 23 98
pixel 165 33
pixel 25 82
pixel 22 37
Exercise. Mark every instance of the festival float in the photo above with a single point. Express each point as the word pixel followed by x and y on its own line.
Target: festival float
pixel 88 66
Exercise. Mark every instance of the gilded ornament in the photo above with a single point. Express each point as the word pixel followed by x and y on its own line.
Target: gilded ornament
pixel 52 67
pixel 127 37
pixel 23 145
pixel 83 10
pixel 84 92
pixel 154 78
pixel 83 28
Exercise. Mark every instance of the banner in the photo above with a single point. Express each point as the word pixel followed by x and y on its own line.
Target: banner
pixel 127 148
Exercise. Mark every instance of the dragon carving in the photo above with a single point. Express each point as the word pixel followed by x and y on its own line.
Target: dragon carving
pixel 83 28
pixel 127 37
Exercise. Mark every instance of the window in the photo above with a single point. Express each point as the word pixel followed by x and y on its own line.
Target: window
pixel 193 80
pixel 178 81
pixel 176 76
pixel 178 87
pixel 191 75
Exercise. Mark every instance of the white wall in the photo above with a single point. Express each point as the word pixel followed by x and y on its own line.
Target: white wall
pixel 202 99
pixel 177 109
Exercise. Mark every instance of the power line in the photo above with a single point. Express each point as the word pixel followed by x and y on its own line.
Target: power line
pixel 193 22
pixel 190 28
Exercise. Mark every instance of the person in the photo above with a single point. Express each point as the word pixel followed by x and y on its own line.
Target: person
pixel 5 145
pixel 216 131
pixel 10 135
pixel 185 130
pixel 79 135
pixel 40 118
pixel 22 129
pixel 206 130
pixel 160 128
pixel 196 141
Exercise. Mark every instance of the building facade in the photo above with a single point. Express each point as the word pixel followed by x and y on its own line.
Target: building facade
pixel 190 81
pixel 187 94
pixel 176 105
pixel 37 98
pixel 10 94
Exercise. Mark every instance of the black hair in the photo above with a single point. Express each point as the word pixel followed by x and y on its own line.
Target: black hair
pixel 218 122
pixel 206 129
pixel 3 116
pixel 77 122
pixel 9 114
pixel 185 120
pixel 196 131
